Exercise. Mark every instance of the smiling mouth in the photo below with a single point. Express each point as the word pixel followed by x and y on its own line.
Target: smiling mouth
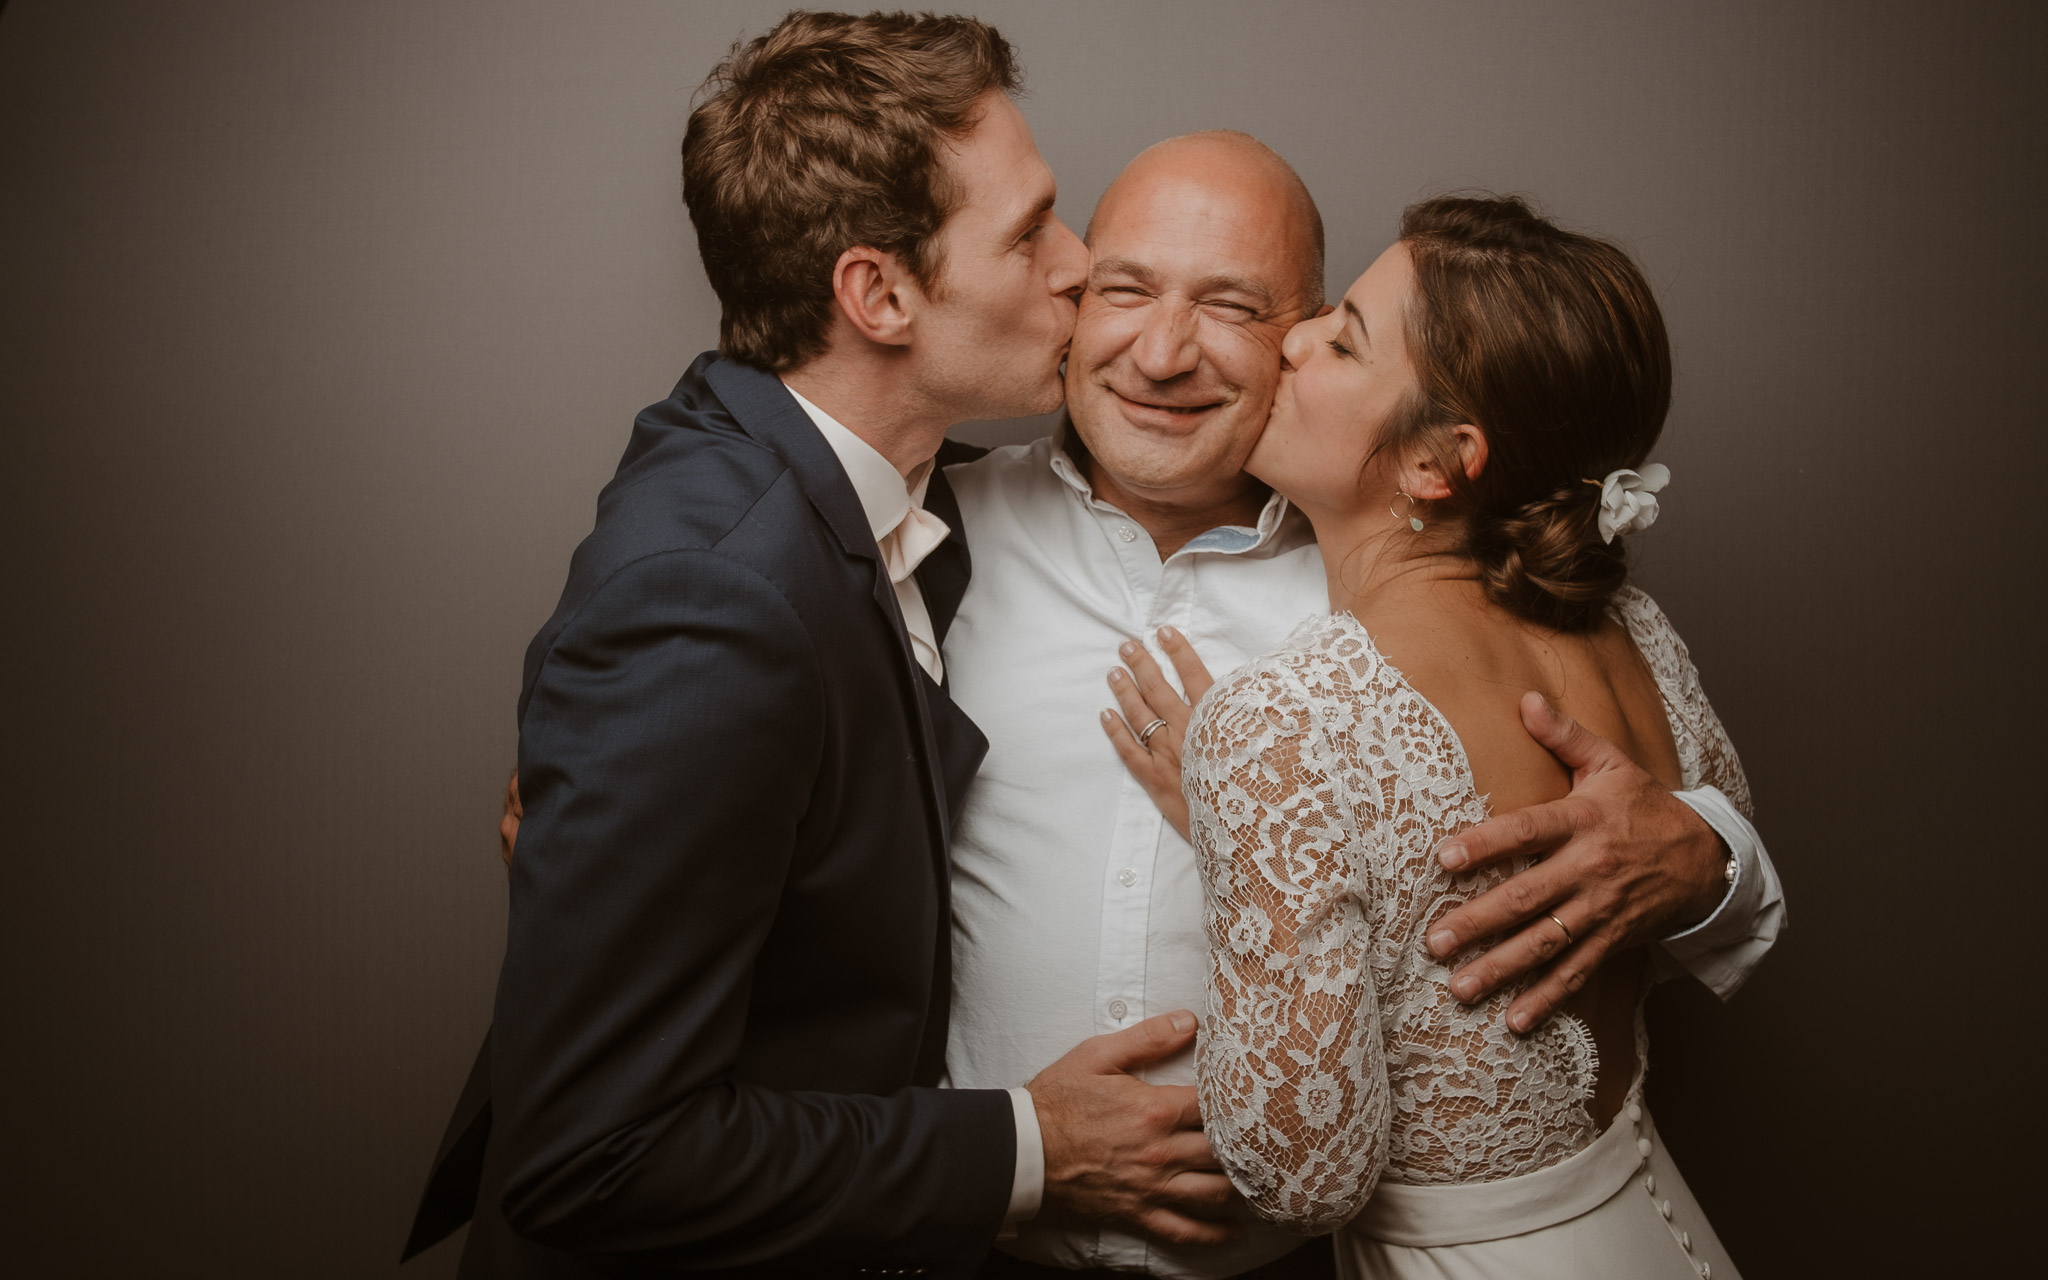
pixel 1175 410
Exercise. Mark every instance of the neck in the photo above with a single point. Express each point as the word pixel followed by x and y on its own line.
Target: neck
pixel 1176 517
pixel 872 393
pixel 1370 552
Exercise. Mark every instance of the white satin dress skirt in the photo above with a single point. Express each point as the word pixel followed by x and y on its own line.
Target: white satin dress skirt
pixel 1618 1210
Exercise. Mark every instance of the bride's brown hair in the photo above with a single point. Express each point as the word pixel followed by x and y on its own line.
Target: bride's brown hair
pixel 1550 343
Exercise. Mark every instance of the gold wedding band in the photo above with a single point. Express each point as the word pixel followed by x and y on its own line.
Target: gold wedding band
pixel 1568 939
pixel 1145 734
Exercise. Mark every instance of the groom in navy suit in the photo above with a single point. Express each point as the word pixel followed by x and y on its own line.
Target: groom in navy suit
pixel 722 1012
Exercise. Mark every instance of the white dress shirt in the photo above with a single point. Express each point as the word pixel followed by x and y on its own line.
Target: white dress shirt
pixel 1076 908
pixel 905 533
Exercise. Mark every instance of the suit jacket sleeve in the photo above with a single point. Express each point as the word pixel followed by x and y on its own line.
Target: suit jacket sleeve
pixel 667 748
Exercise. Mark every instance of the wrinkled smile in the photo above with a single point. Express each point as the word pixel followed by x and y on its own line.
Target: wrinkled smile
pixel 1164 409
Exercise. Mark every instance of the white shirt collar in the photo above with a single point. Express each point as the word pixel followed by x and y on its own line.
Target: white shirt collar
pixel 1271 516
pixel 885 494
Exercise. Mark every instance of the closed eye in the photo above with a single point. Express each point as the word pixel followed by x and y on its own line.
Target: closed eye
pixel 1337 345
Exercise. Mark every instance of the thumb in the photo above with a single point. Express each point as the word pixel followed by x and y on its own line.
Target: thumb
pixel 1148 1041
pixel 1581 750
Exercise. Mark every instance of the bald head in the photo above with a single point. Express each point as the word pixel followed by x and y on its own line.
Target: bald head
pixel 1203 253
pixel 1225 167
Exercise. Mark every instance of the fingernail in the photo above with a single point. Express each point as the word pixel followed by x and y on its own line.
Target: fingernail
pixel 1183 1022
pixel 1465 987
pixel 1453 856
pixel 1443 942
pixel 1128 648
pixel 1519 1021
pixel 1167 635
pixel 1108 719
pixel 1116 675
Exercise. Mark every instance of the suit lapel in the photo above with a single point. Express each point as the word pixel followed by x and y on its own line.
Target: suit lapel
pixel 943 579
pixel 766 411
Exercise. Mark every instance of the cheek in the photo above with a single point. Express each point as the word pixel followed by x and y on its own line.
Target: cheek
pixel 1100 334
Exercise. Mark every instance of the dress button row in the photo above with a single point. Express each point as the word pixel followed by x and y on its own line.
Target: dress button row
pixel 1684 1238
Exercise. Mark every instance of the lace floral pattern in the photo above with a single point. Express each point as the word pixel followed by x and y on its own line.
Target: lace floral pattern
pixel 1333 1053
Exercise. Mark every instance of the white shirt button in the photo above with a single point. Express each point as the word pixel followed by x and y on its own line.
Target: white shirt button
pixel 1643 1145
pixel 1117 1009
pixel 1127 877
pixel 1127 533
pixel 1635 1113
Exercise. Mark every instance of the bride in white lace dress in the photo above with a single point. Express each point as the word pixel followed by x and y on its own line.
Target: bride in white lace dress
pixel 1450 431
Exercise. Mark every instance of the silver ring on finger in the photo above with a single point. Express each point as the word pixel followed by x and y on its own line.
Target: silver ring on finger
pixel 1145 734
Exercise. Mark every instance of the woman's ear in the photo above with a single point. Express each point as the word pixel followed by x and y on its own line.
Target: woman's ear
pixel 1422 476
pixel 875 294
pixel 1471 446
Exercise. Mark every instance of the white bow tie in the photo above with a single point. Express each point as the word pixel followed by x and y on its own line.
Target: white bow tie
pixel 914 537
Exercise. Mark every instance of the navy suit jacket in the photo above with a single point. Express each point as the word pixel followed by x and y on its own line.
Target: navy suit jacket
pixel 722 1012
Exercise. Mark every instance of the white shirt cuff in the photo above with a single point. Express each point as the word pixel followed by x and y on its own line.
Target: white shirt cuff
pixel 1723 949
pixel 1027 1185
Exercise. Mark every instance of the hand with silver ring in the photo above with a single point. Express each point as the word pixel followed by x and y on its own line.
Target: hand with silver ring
pixel 1145 697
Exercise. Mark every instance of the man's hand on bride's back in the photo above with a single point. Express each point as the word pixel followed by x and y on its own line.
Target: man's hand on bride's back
pixel 1624 863
pixel 1120 1150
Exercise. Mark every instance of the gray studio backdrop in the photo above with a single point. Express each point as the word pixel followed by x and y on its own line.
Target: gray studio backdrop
pixel 321 326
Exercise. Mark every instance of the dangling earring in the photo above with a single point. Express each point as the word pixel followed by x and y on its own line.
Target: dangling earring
pixel 1413 523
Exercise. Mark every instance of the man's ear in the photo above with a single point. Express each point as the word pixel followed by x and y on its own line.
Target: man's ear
pixel 875 294
pixel 1423 479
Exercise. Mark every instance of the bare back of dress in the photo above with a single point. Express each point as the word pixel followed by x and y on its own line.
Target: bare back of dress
pixel 1333 1053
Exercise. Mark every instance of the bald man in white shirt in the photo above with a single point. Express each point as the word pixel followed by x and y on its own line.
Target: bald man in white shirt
pixel 1077 906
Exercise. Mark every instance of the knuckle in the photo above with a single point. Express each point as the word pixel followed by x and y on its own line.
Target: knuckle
pixel 1573 980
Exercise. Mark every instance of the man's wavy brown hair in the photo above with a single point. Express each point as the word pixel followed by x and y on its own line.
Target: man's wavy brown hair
pixel 825 134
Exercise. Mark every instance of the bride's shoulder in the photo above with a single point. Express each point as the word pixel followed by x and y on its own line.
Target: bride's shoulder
pixel 1323 649
pixel 1651 630
pixel 1325 658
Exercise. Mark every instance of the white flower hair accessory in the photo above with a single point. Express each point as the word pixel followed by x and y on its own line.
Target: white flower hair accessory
pixel 1628 499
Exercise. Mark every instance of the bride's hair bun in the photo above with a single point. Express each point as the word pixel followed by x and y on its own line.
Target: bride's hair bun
pixel 1551 344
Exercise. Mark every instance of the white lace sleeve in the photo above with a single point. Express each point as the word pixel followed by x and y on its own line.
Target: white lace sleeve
pixel 1292 1065
pixel 1706 757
